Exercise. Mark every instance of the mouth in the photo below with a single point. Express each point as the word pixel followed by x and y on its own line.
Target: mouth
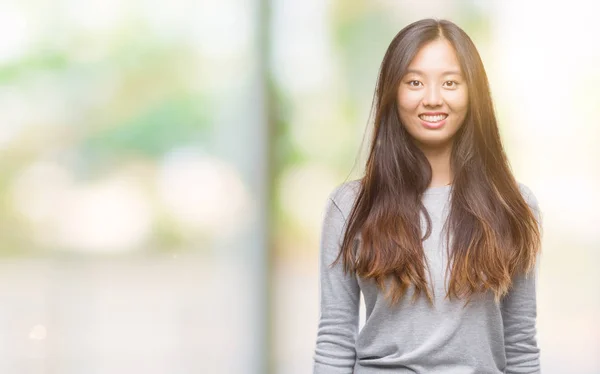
pixel 433 118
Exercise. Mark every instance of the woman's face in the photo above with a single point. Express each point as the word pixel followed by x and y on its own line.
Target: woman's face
pixel 433 96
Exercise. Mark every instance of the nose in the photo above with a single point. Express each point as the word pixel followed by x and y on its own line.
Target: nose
pixel 432 97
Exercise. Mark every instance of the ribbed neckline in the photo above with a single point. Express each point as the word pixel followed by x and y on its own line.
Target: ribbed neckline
pixel 438 190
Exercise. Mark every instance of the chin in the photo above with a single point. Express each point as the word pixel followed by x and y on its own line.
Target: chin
pixel 434 142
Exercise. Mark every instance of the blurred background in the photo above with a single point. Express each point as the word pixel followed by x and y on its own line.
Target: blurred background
pixel 165 167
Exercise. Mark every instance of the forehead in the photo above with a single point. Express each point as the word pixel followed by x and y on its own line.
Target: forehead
pixel 435 57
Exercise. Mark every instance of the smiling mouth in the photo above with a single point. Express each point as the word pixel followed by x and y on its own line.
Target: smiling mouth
pixel 433 119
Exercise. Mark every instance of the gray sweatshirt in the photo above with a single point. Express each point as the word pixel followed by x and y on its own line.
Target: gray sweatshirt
pixel 483 338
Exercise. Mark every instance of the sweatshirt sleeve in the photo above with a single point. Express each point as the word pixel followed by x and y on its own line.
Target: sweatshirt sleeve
pixel 519 314
pixel 339 301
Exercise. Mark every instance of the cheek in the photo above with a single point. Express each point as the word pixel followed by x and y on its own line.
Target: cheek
pixel 407 101
pixel 459 102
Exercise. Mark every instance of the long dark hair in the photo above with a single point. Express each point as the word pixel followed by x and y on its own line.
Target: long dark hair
pixel 495 232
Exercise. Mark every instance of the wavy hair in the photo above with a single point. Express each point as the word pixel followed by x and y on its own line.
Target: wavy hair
pixel 495 234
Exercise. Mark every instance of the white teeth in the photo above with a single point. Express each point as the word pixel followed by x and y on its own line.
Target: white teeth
pixel 437 118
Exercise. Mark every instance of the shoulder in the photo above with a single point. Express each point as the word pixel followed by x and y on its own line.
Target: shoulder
pixel 531 199
pixel 344 196
pixel 528 194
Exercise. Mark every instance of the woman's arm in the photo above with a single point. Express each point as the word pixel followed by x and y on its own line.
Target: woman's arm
pixel 519 312
pixel 339 300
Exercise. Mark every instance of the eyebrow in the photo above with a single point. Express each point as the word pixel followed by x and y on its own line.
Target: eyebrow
pixel 447 72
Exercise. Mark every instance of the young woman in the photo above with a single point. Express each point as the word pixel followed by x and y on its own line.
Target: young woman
pixel 439 237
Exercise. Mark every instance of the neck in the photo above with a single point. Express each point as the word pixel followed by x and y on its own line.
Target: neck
pixel 441 172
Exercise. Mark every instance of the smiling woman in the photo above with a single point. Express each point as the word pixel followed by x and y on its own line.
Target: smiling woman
pixel 438 236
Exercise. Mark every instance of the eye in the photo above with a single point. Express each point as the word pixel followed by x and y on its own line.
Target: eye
pixel 451 84
pixel 414 83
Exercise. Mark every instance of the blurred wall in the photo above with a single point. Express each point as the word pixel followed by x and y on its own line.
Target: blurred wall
pixel 132 178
